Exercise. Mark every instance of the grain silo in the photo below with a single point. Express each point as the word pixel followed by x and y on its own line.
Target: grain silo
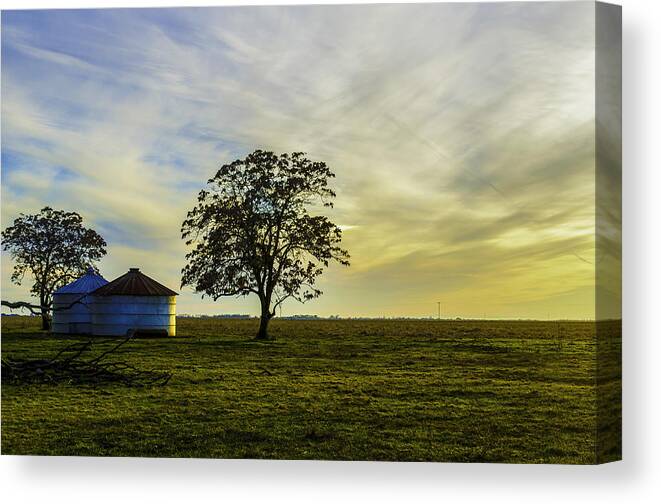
pixel 134 303
pixel 72 312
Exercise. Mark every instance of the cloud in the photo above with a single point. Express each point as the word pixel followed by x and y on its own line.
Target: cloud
pixel 462 137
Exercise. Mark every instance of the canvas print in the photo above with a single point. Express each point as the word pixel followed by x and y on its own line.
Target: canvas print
pixel 358 232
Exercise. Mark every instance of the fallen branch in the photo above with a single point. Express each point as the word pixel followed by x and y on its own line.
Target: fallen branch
pixel 68 366
pixel 263 372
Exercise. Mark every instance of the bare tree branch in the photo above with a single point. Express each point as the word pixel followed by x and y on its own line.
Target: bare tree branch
pixel 68 366
pixel 40 309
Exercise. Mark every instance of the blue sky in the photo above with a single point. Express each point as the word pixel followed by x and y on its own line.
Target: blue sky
pixel 462 136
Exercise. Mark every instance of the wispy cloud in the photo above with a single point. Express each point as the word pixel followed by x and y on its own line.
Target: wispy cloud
pixel 462 137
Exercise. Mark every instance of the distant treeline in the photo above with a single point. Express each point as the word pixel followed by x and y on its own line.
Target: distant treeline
pixel 300 317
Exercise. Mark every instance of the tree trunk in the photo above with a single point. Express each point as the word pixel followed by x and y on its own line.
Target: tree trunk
pixel 45 319
pixel 263 333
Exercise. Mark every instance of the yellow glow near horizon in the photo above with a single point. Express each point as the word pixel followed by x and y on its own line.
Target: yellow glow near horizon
pixel 461 136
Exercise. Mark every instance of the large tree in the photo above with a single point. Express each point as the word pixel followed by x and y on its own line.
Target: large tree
pixel 258 229
pixel 54 248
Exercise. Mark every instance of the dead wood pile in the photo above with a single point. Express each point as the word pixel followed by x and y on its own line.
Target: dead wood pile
pixel 72 365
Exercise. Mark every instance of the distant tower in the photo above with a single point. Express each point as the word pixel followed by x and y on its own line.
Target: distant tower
pixel 439 309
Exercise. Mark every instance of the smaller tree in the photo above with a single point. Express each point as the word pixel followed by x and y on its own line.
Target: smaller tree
pixel 55 248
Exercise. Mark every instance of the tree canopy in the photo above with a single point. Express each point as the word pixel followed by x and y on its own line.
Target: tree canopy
pixel 258 229
pixel 54 248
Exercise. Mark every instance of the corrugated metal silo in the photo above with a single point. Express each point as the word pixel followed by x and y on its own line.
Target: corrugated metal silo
pixel 72 312
pixel 134 303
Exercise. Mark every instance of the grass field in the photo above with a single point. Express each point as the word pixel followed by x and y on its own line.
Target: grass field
pixel 464 391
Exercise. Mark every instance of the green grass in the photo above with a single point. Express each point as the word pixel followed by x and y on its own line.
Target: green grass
pixel 464 391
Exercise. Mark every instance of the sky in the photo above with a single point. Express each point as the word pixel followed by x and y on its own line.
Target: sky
pixel 462 137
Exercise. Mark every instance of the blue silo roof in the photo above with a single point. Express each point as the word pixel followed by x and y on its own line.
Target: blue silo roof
pixel 87 283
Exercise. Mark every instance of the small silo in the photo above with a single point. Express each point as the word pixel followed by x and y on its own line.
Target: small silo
pixel 134 303
pixel 72 311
